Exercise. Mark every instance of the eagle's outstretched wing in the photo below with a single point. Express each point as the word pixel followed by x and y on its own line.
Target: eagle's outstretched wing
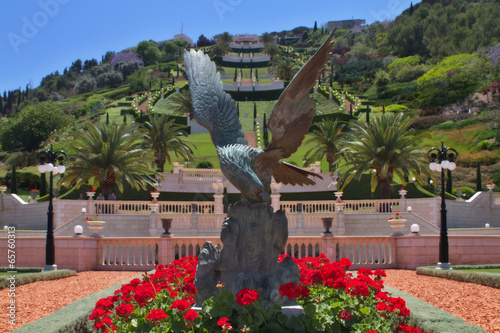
pixel 213 108
pixel 293 113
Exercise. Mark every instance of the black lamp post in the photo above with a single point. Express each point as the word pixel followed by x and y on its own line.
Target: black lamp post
pixel 47 160
pixel 442 159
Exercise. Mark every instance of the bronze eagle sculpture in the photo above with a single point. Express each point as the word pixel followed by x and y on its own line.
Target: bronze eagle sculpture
pixel 251 169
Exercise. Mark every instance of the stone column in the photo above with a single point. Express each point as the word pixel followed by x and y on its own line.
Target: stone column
pixel 166 252
pixel 154 228
pixel 275 196
pixel 328 247
pixel 218 204
pixel 339 223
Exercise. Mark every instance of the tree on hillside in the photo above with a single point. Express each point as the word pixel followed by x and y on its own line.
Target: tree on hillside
pixel 109 156
pixel 383 148
pixel 180 103
pixel 224 37
pixel 266 38
pixel 164 138
pixel 148 52
pixel 33 125
pixel 271 49
pixel 203 41
pixel 76 67
pixel 220 49
pixel 315 26
pixel 89 64
pixel 452 73
pixel 326 140
pixel 283 68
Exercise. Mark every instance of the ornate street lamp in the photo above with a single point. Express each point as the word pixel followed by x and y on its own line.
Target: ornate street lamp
pixel 442 159
pixel 47 160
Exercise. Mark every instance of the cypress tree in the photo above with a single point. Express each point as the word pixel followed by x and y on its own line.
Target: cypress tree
pixel 315 26
pixel 238 108
pixel 13 181
pixel 173 82
pixel 107 118
pixel 254 111
pixel 383 109
pixel 19 97
pixel 449 182
pixel 256 75
pixel 125 118
pixel 350 110
pixel 367 114
pixel 479 186
pixel 1 106
pixel 411 8
pixel 43 185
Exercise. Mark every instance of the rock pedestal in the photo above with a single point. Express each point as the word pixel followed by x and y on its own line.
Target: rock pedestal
pixel 253 237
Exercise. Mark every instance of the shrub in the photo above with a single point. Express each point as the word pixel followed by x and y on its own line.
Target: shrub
pixel 483 157
pixel 96 71
pixel 392 108
pixel 86 84
pixel 112 79
pixel 447 125
pixel 205 165
pixel 483 145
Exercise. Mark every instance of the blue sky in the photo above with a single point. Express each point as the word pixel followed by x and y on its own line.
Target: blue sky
pixel 38 37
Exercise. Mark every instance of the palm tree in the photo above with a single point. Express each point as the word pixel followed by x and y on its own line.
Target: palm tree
pixel 326 140
pixel 283 67
pixel 220 49
pixel 107 156
pixel 165 137
pixel 384 148
pixel 180 103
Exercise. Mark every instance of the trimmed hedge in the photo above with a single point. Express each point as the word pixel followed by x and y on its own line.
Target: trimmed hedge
pixel 22 269
pixel 34 277
pixel 258 95
pixel 485 279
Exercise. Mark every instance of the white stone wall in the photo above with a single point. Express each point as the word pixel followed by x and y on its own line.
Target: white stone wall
pixel 15 212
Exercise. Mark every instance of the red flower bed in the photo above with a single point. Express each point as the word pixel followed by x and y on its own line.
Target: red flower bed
pixel 331 297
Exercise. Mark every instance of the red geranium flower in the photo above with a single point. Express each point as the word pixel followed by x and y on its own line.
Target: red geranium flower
pixel 246 297
pixel 191 315
pixel 345 315
pixel 156 316
pixel 181 305
pixel 124 309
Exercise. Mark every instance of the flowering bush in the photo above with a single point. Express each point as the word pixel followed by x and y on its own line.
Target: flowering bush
pixel 34 191
pixel 333 301
pixel 397 217
pixel 95 218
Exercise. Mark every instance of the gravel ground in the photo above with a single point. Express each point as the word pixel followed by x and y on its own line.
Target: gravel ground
pixel 476 304
pixel 38 299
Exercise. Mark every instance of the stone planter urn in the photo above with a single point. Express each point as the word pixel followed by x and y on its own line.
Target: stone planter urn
pixel 3 189
pixel 166 224
pixel 327 224
pixel 339 195
pixel 490 187
pixel 397 225
pixel 403 193
pixel 95 226
pixel 154 207
pixel 155 195
pixel 90 194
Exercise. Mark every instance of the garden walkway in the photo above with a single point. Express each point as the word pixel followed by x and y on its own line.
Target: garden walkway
pixel 476 304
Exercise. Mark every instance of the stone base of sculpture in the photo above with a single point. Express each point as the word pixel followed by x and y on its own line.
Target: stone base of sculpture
pixel 253 237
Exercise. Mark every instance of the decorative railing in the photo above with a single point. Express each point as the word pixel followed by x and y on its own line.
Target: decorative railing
pixel 348 207
pixel 127 253
pixel 367 251
pixel 497 199
pixel 201 174
pixel 143 207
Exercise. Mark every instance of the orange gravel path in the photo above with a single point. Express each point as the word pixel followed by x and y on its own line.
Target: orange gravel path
pixel 38 299
pixel 476 304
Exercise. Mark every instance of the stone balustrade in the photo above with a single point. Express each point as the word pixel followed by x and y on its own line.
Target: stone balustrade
pixel 141 254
